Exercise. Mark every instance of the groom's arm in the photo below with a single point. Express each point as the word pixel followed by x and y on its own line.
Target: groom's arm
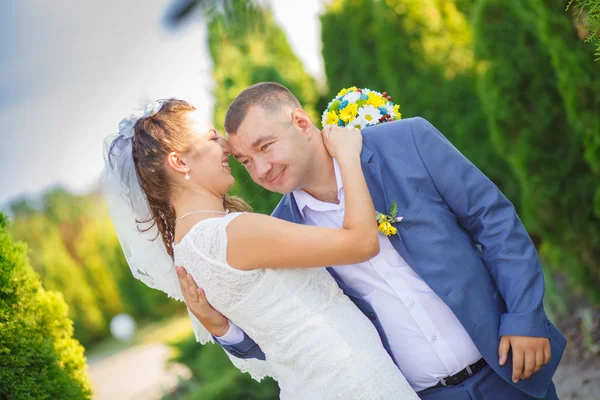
pixel 237 343
pixel 508 252
pixel 492 222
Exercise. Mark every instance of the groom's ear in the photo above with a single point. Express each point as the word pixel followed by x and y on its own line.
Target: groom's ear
pixel 301 119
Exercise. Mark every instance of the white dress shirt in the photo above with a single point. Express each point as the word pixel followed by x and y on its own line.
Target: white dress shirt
pixel 426 339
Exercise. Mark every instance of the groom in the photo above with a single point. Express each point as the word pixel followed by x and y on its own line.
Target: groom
pixel 456 295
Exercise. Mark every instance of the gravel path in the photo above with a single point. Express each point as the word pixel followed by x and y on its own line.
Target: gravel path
pixel 141 372
pixel 574 383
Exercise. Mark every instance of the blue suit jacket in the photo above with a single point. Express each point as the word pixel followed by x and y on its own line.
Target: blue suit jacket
pixel 460 234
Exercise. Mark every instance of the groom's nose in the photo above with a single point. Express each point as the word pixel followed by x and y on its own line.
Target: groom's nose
pixel 261 168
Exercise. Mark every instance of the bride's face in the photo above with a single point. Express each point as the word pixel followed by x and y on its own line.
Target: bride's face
pixel 207 160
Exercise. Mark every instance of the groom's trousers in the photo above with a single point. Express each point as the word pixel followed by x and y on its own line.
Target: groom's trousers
pixel 484 385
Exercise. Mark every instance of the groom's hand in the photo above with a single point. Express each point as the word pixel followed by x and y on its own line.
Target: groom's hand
pixel 529 354
pixel 195 300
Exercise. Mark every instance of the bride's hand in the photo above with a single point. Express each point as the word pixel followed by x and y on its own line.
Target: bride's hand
pixel 195 300
pixel 342 142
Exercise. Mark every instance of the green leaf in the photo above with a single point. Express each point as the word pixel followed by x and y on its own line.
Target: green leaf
pixel 335 105
pixel 394 210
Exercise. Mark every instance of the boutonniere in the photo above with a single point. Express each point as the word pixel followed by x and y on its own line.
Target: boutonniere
pixel 385 221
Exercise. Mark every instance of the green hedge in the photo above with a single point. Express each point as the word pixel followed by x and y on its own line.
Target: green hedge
pixel 420 52
pixel 541 97
pixel 39 359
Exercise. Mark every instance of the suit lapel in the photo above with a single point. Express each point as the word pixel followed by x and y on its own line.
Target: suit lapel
pixel 382 204
pixel 291 212
pixel 374 181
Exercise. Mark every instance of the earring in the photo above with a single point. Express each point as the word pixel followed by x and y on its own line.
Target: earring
pixel 187 176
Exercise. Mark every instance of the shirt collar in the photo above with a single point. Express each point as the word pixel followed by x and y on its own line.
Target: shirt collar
pixel 304 200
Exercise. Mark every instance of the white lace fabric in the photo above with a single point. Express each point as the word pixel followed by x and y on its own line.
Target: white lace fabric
pixel 317 344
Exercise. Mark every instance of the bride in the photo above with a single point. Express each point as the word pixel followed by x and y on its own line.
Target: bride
pixel 167 175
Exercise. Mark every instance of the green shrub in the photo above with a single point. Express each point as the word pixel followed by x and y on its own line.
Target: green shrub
pixel 39 359
pixel 216 378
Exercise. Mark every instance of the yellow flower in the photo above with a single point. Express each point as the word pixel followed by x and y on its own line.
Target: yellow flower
pixel 384 227
pixel 332 118
pixel 396 109
pixel 375 100
pixel 349 112
pixel 345 91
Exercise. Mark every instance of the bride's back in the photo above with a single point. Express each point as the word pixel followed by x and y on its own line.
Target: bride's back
pixel 319 345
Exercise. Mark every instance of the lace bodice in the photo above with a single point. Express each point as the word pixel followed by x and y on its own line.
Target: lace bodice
pixel 317 344
pixel 205 246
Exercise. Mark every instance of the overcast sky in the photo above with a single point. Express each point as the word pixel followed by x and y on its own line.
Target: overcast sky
pixel 70 70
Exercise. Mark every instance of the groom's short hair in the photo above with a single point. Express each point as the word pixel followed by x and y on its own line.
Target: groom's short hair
pixel 271 96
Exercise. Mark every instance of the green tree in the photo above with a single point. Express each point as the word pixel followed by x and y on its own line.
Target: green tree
pixel 578 78
pixel 420 52
pixel 93 242
pixel 527 100
pixel 40 358
pixel 60 272
pixel 75 250
pixel 244 58
pixel 588 15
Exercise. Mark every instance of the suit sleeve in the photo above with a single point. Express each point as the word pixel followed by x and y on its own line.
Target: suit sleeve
pixel 242 346
pixel 492 222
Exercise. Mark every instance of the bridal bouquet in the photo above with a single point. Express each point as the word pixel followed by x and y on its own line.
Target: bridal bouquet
pixel 359 108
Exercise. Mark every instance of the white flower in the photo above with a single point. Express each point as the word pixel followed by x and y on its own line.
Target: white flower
pixel 352 97
pixel 126 125
pixel 358 122
pixel 390 109
pixel 369 114
pixel 367 91
pixel 324 118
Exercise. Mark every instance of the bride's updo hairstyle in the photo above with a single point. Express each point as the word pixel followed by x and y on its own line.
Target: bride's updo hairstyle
pixel 154 138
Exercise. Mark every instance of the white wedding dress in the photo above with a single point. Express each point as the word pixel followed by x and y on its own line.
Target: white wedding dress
pixel 317 343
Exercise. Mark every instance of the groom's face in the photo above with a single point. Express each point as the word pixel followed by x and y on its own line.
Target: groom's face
pixel 274 148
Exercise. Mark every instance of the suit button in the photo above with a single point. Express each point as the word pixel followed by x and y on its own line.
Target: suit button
pixel 371 316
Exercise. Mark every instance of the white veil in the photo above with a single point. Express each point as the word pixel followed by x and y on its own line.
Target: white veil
pixel 145 251
pixel 126 202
